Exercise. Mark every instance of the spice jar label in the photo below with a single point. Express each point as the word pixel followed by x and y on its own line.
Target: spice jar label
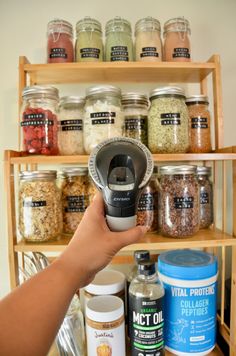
pixel 199 122
pixel 204 198
pixel 34 204
pixel 106 117
pixel 90 52
pixel 149 52
pixel 72 128
pixel 119 53
pixel 43 122
pixel 58 53
pixel 170 119
pixel 135 122
pixel 183 202
pixel 146 202
pixel 76 203
pixel 181 52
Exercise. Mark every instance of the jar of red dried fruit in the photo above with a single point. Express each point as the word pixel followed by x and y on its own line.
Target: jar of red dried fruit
pixel 39 120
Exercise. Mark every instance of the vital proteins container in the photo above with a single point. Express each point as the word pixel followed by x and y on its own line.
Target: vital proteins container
pixel 190 282
pixel 104 117
pixel 168 121
pixel 89 46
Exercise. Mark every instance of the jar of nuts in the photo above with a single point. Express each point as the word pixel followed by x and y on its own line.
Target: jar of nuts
pixel 206 196
pixel 40 217
pixel 179 201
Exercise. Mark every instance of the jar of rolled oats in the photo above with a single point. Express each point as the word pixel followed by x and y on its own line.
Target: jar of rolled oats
pixel 40 216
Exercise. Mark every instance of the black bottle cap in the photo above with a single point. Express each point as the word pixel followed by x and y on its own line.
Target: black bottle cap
pixel 141 255
pixel 147 268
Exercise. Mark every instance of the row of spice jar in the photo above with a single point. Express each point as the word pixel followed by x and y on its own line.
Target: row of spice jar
pixel 177 205
pixel 168 123
pixel 119 44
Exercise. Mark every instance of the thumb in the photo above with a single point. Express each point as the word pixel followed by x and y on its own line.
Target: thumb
pixel 130 236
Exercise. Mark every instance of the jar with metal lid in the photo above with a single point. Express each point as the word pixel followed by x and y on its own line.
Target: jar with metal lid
pixel 147 213
pixel 40 216
pixel 148 45
pixel 135 107
pixel 119 44
pixel 89 46
pixel 168 121
pixel 200 124
pixel 104 117
pixel 75 198
pixel 39 120
pixel 176 40
pixel 60 42
pixel 70 133
pixel 179 201
pixel 206 197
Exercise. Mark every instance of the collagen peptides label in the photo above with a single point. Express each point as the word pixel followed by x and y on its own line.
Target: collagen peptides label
pixel 170 119
pixel 101 118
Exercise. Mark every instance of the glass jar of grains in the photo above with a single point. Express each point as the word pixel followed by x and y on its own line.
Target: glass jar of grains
pixel 179 201
pixel 148 45
pixel 176 40
pixel 119 44
pixel 135 107
pixel 104 117
pixel 89 46
pixel 200 125
pixel 40 216
pixel 206 196
pixel 168 121
pixel 70 133
pixel 75 198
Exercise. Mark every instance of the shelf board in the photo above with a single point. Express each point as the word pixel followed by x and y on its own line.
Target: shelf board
pixel 151 241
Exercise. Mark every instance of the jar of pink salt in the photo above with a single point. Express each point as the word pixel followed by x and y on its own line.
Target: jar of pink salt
pixel 176 40
pixel 60 42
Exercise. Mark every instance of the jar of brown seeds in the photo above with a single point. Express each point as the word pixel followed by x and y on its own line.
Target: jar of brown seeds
pixel 206 196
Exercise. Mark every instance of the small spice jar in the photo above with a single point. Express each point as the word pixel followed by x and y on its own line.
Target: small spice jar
pixel 200 125
pixel 176 40
pixel 70 133
pixel 104 117
pixel 147 214
pixel 168 121
pixel 206 197
pixel 118 44
pixel 89 46
pixel 39 120
pixel 75 198
pixel 40 216
pixel 148 45
pixel 135 107
pixel 179 201
pixel 60 42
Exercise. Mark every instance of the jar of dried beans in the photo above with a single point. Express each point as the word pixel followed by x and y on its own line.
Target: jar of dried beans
pixel 176 40
pixel 40 216
pixel 39 120
pixel 168 121
pixel 179 201
pixel 200 125
pixel 60 42
pixel 206 196
pixel 70 133
pixel 75 197
pixel 135 107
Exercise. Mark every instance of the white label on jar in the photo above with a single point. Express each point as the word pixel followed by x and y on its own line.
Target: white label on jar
pixel 34 204
pixel 58 53
pixel 183 202
pixel 149 52
pixel 170 119
pixel 199 122
pixel 181 52
pixel 101 118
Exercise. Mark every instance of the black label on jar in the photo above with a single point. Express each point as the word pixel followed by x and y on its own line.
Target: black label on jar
pixel 181 52
pixel 72 128
pixel 136 122
pixel 34 204
pixel 103 118
pixel 90 52
pixel 58 53
pixel 204 198
pixel 170 119
pixel 146 326
pixel 146 202
pixel 183 202
pixel 199 122
pixel 119 53
pixel 36 122
pixel 76 203
pixel 71 122
pixel 149 52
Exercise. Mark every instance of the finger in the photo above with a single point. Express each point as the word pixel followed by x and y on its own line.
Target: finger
pixel 130 236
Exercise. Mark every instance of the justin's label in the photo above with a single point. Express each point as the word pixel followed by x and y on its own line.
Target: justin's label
pixel 76 203
pixel 199 122
pixel 34 204
pixel 119 53
pixel 183 202
pixel 90 52
pixel 149 52
pixel 146 202
pixel 136 122
pixel 204 198
pixel 58 53
pixel 170 119
pixel 103 118
pixel 181 52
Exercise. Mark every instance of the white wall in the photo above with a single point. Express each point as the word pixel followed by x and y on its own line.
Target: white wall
pixel 23 32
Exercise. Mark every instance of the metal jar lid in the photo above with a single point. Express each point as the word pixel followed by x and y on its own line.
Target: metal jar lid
pixel 103 89
pixel 28 175
pixel 147 24
pixel 134 98
pixel 60 26
pixel 197 99
pixel 72 100
pixel 181 169
pixel 202 170
pixel 166 91
pixel 40 90
pixel 88 24
pixel 118 25
pixel 177 24
pixel 74 172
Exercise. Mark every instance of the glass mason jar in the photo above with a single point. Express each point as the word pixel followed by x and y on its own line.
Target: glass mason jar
pixel 200 124
pixel 147 213
pixel 135 107
pixel 104 117
pixel 75 198
pixel 40 216
pixel 118 44
pixel 168 121
pixel 89 46
pixel 206 197
pixel 60 42
pixel 148 45
pixel 176 40
pixel 70 133
pixel 39 120
pixel 179 201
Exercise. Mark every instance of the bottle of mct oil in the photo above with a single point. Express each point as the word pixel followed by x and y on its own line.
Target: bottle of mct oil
pixel 146 315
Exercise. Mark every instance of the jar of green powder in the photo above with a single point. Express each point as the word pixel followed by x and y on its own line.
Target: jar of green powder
pixel 119 44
